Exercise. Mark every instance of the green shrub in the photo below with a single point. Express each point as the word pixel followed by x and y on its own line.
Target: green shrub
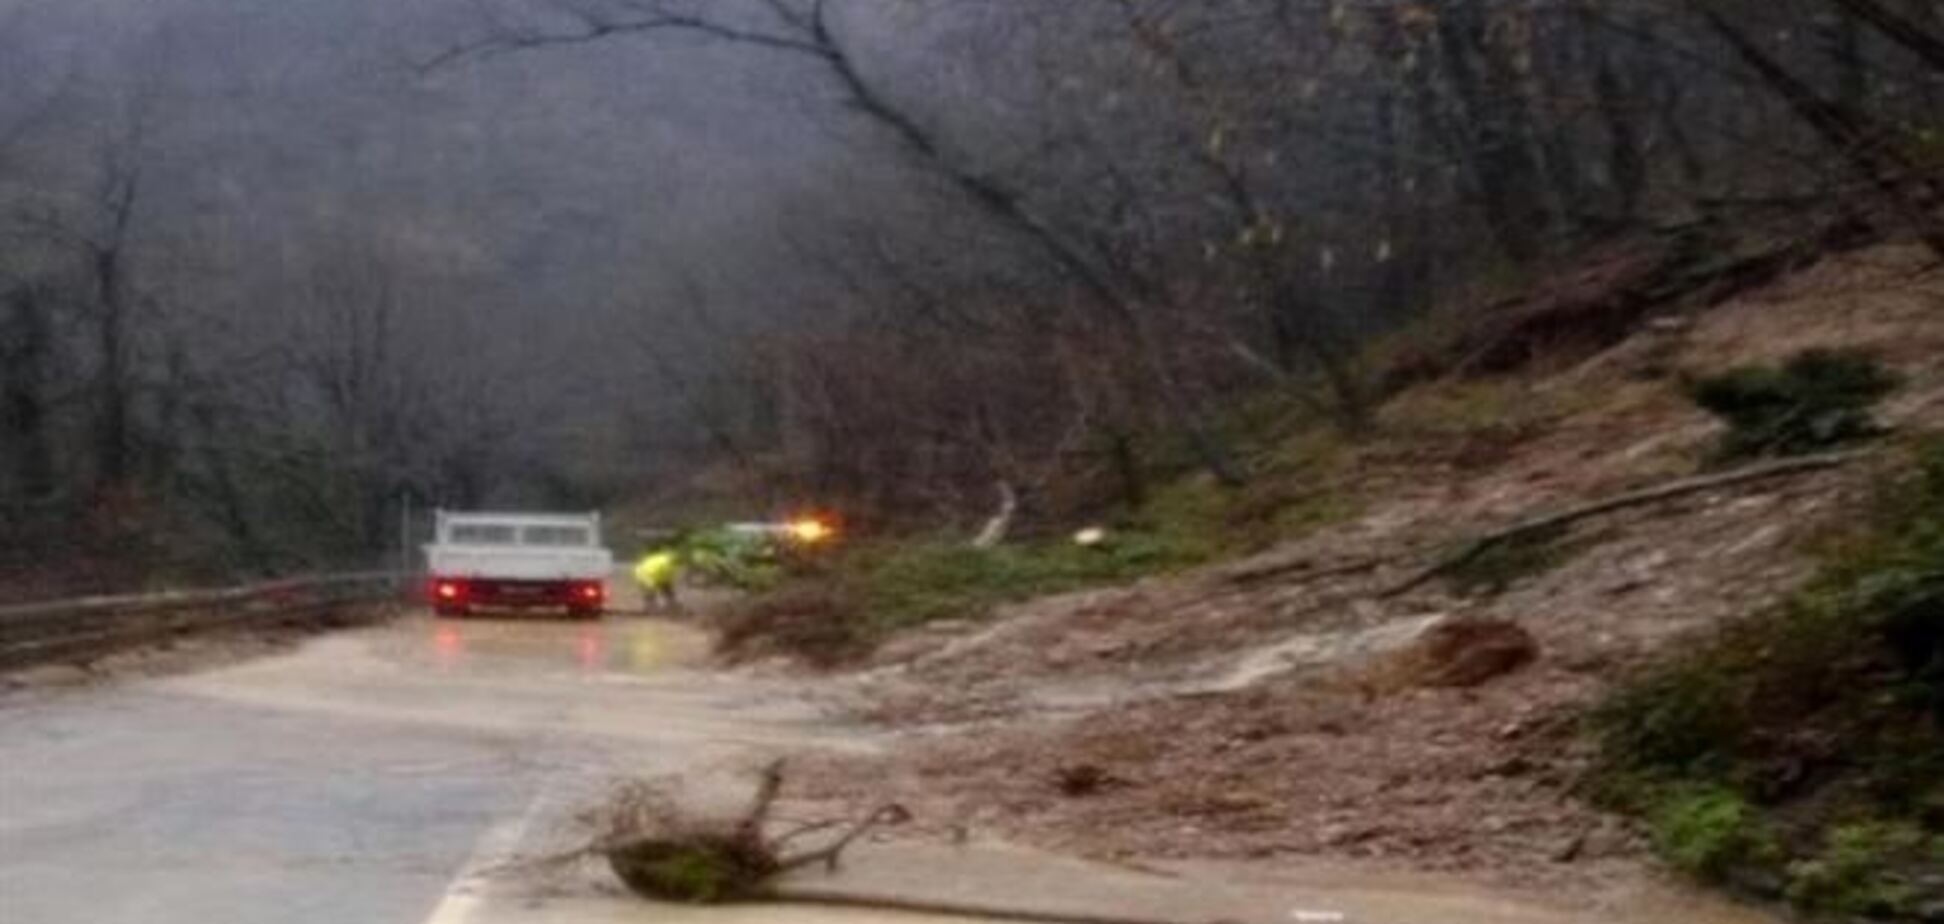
pixel 1189 519
pixel 693 874
pixel 1309 514
pixel 1678 720
pixel 1895 583
pixel 722 558
pixel 918 582
pixel 1709 831
pixel 868 593
pixel 1863 870
pixel 1299 487
pixel 1502 409
pixel 1789 725
pixel 1816 400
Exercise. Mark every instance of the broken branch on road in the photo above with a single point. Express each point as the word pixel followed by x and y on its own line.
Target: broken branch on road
pixel 664 851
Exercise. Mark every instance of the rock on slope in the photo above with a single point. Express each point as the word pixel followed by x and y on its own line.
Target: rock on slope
pixel 1276 707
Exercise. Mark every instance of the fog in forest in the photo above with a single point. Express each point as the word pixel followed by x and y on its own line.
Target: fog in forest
pixel 279 272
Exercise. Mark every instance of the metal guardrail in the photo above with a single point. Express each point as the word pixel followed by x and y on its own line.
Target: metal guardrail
pixel 69 630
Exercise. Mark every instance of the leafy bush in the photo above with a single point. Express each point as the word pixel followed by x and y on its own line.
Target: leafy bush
pixel 1802 719
pixel 1862 870
pixel 1818 399
pixel 915 583
pixel 1675 721
pixel 1709 831
pixel 723 558
pixel 873 591
pixel 868 591
pixel 696 874
pixel 1300 485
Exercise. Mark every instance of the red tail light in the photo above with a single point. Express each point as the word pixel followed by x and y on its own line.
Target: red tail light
pixel 448 590
pixel 591 592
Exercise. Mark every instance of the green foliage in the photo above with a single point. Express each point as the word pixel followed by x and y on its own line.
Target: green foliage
pixel 723 558
pixel 1674 721
pixel 1842 681
pixel 1863 869
pixel 919 582
pixel 1494 407
pixel 694 867
pixel 1818 399
pixel 870 591
pixel 1871 622
pixel 693 874
pixel 1185 522
pixel 1188 523
pixel 1308 514
pixel 1895 582
pixel 1709 831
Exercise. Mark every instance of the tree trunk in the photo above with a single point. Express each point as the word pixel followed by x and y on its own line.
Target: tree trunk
pixel 1844 39
pixel 1866 146
pixel 1499 152
pixel 111 444
pixel 1909 33
pixel 1007 208
pixel 1626 161
pixel 26 344
pixel 1127 469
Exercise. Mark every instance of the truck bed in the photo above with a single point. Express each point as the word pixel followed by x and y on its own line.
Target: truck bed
pixel 519 563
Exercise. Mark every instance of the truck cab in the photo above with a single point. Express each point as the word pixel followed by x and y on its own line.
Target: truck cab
pixel 522 560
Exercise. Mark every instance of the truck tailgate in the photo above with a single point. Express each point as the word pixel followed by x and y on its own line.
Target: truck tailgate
pixel 520 563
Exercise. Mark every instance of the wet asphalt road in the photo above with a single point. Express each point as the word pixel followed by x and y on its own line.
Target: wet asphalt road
pixel 349 781
pixel 385 776
pixel 126 807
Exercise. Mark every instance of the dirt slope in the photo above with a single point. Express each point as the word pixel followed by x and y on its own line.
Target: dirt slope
pixel 1234 712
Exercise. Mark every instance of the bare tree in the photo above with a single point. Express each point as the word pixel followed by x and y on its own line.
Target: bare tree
pixel 100 238
pixel 1869 147
pixel 26 360
pixel 807 32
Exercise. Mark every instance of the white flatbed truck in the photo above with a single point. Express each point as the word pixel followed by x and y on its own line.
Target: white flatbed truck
pixel 517 560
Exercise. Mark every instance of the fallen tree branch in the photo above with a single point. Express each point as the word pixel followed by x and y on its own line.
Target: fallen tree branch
pixel 1000 525
pixel 663 853
pixel 1300 570
pixel 1482 544
pixel 804 830
pixel 768 787
pixel 891 814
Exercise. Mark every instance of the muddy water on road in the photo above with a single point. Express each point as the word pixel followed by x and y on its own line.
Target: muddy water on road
pixel 625 647
pixel 351 778
pixel 623 685
pixel 353 737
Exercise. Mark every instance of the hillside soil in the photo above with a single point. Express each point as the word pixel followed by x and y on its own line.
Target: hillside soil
pixel 1293 705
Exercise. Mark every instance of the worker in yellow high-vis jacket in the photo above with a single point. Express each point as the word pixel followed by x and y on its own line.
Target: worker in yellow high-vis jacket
pixel 657 574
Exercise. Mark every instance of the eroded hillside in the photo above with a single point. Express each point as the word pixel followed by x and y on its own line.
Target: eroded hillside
pixel 1294 703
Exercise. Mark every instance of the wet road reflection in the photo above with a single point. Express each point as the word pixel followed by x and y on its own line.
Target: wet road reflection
pixel 615 645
